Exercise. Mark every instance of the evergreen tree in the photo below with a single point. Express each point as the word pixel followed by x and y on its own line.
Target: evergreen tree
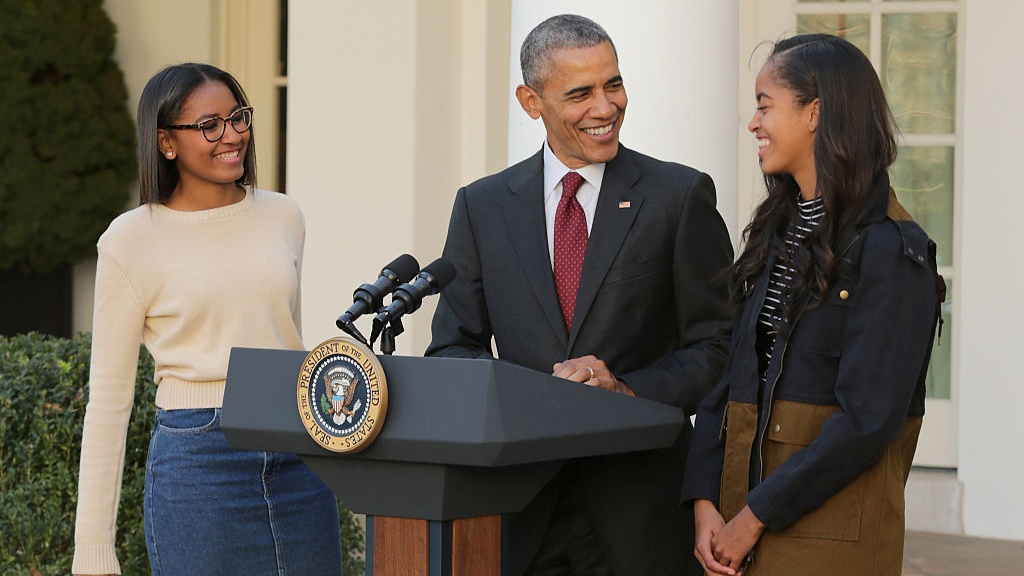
pixel 67 139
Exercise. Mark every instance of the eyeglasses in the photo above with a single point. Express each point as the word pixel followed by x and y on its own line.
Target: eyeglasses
pixel 213 128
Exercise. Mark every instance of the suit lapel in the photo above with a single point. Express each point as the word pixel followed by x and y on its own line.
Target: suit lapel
pixel 524 217
pixel 617 208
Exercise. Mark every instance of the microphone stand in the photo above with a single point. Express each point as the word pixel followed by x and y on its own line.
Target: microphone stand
pixel 387 339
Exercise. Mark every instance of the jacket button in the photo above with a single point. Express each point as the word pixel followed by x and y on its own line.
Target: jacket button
pixel 777 428
pixel 843 294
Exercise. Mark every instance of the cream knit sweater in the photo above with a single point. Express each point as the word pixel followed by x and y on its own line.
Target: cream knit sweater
pixel 190 286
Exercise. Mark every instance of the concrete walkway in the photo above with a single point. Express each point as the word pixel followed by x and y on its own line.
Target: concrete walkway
pixel 928 554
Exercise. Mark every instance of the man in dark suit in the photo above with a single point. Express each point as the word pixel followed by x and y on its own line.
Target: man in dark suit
pixel 645 316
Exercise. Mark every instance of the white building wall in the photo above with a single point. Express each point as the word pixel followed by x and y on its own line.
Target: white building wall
pixel 378 180
pixel 991 466
pixel 387 116
pixel 351 128
pixel 143 47
pixel 151 35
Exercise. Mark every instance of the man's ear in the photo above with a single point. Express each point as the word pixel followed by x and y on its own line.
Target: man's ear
pixel 529 99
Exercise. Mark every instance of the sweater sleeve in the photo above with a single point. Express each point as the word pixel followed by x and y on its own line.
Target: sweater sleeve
pixel 117 331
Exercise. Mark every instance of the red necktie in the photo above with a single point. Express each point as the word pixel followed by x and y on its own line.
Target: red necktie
pixel 570 245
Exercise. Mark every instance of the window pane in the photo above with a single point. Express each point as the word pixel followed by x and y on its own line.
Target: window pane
pixel 937 381
pixel 919 70
pixel 282 52
pixel 923 180
pixel 854 27
pixel 282 137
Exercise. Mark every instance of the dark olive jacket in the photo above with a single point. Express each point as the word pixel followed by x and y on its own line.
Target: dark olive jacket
pixel 823 459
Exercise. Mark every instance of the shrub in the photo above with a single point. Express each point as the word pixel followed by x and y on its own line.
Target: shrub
pixel 43 391
pixel 67 140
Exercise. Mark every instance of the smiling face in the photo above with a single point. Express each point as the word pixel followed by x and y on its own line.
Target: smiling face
pixel 203 164
pixel 785 131
pixel 582 102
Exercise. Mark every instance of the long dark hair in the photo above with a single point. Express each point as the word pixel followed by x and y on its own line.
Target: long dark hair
pixel 160 104
pixel 854 145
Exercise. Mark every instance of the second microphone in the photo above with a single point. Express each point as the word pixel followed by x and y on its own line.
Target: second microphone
pixel 409 296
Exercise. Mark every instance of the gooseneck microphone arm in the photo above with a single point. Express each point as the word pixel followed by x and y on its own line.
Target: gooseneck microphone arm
pixel 349 328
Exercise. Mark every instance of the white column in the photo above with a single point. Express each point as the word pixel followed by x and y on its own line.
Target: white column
pixel 990 306
pixel 389 112
pixel 678 60
pixel 351 145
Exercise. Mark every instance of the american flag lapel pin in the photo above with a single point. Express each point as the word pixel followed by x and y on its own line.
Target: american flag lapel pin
pixel 623 204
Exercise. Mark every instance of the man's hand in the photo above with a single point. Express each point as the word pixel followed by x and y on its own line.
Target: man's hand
pixel 591 371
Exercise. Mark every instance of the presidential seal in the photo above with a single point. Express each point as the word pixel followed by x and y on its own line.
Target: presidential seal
pixel 342 395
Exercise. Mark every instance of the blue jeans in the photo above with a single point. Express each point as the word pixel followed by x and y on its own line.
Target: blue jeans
pixel 213 510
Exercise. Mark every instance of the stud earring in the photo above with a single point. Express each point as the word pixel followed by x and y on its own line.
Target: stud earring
pixel 170 154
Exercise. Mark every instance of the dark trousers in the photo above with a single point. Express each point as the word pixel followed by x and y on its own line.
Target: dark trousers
pixel 570 546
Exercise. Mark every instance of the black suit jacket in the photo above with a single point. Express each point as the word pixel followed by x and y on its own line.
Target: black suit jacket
pixel 651 305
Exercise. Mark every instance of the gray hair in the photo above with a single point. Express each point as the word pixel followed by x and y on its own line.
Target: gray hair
pixel 557 33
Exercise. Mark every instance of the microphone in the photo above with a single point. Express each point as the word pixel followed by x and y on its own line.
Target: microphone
pixel 370 297
pixel 408 297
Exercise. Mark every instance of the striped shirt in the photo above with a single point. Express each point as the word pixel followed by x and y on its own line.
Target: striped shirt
pixel 782 276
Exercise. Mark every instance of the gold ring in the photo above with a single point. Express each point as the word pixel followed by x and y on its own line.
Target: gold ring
pixel 591 372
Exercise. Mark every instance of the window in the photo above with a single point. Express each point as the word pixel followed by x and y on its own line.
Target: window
pixel 252 37
pixel 281 82
pixel 914 46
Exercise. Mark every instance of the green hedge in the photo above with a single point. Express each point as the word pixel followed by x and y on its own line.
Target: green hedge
pixel 43 391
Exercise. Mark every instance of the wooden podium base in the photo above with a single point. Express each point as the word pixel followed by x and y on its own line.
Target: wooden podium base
pixel 412 547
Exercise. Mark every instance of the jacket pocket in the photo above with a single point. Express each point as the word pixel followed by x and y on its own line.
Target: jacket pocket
pixel 630 270
pixel 820 330
pixel 792 427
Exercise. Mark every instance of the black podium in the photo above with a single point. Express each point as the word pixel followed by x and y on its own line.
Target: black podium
pixel 464 441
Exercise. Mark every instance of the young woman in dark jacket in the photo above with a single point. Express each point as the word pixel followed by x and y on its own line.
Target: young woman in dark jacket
pixel 801 453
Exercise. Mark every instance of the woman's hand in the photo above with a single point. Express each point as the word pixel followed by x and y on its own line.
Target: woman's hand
pixel 731 544
pixel 708 522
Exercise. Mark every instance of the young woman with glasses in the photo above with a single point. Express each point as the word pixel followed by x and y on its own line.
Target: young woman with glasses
pixel 206 262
